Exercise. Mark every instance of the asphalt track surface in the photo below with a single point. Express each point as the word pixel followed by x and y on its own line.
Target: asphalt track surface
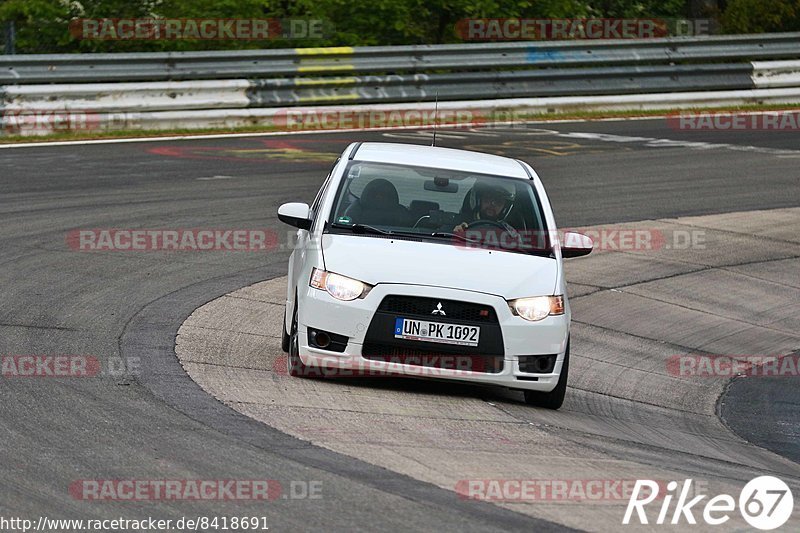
pixel 155 423
pixel 640 316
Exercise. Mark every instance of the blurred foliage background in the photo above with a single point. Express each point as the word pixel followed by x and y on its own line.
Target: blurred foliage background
pixel 42 26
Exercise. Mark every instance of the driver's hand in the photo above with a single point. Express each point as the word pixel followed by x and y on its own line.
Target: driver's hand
pixel 461 228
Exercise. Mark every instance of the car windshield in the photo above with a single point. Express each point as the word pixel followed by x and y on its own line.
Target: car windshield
pixel 440 205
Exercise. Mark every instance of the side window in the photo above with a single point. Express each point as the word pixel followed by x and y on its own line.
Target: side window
pixel 318 200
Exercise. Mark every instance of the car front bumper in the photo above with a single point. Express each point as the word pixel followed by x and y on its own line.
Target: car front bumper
pixel 352 319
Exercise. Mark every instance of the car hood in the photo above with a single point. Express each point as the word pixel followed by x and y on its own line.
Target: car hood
pixel 383 260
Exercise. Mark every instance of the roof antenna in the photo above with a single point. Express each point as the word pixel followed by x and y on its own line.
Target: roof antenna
pixel 435 117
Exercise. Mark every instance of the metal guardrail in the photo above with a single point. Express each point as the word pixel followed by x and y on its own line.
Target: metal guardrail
pixel 254 64
pixel 216 94
pixel 504 84
pixel 40 94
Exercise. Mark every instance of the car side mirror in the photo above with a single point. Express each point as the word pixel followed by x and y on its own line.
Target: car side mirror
pixel 295 214
pixel 576 245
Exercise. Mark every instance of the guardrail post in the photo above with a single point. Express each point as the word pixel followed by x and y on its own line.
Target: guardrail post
pixel 10 37
pixel 703 8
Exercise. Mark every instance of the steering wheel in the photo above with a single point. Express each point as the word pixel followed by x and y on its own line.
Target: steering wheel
pixel 500 224
pixel 497 224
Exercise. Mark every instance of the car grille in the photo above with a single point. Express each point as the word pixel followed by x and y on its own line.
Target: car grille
pixel 380 344
pixel 461 311
pixel 485 364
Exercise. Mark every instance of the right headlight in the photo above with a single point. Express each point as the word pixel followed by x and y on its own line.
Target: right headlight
pixel 338 286
pixel 538 307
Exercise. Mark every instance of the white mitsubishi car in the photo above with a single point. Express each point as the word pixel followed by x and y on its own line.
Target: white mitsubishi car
pixel 431 262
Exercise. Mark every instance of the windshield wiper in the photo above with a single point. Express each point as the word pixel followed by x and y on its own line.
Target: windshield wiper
pixel 362 228
pixel 444 234
pixel 541 252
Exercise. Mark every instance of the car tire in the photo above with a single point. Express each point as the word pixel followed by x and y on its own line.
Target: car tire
pixel 296 366
pixel 555 398
pixel 285 340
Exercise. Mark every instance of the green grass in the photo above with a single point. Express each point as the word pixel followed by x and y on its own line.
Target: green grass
pixel 519 117
pixel 598 115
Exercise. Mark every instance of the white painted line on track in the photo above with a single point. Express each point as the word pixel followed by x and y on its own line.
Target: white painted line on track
pixel 647 142
pixel 653 142
pixel 212 136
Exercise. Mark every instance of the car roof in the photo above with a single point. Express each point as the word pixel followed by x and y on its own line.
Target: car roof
pixel 444 158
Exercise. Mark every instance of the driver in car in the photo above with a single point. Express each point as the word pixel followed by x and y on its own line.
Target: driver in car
pixel 490 203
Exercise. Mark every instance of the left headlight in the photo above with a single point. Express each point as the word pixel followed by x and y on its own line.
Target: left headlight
pixel 538 308
pixel 338 286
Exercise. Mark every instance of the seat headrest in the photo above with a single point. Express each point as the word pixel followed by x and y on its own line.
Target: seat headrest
pixel 379 193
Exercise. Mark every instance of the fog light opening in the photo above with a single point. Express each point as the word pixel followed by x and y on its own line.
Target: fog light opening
pixel 543 364
pixel 322 339
pixel 537 364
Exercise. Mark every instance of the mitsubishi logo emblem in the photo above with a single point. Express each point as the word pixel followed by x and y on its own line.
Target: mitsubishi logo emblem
pixel 439 310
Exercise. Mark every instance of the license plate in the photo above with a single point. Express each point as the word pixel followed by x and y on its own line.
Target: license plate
pixel 438 332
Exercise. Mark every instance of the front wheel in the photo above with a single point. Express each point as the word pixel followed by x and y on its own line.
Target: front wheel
pixel 555 398
pixel 285 339
pixel 296 366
